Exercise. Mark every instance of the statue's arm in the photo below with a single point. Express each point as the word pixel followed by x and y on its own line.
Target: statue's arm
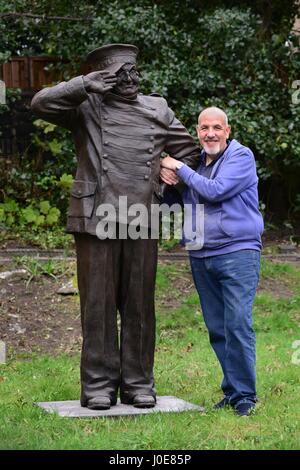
pixel 180 144
pixel 58 104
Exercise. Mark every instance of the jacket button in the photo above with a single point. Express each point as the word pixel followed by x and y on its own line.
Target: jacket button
pixel 79 192
pixel 152 127
pixel 146 177
pixel 105 169
pixel 105 155
pixel 150 150
pixel 151 138
pixel 105 117
pixel 148 163
pixel 106 142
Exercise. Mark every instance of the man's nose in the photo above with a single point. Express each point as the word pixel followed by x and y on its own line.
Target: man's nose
pixel 211 132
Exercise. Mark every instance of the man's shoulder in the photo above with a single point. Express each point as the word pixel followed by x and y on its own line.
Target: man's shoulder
pixel 235 147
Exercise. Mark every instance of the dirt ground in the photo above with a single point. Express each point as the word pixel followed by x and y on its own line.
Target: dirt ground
pixel 35 318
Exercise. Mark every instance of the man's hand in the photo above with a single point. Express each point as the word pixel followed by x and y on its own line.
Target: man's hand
pixel 168 176
pixel 99 82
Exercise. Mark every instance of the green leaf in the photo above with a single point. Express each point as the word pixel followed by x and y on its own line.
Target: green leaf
pixel 40 220
pixel 29 215
pixel 10 206
pixel 44 125
pixel 53 216
pixel 10 219
pixel 55 146
pixel 44 207
pixel 65 181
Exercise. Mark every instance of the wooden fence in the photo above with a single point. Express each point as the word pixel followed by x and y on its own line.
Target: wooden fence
pixel 29 73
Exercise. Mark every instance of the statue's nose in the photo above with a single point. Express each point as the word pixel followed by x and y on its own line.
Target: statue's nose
pixel 128 77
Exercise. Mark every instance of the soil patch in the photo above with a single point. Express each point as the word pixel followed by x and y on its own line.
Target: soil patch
pixel 35 318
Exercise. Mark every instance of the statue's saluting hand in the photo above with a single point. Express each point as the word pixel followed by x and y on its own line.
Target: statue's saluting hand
pixel 99 82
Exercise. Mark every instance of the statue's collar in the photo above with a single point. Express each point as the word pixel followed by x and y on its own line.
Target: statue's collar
pixel 114 98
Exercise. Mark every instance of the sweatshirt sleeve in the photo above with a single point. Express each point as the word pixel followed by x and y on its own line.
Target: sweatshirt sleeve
pixel 58 104
pixel 235 175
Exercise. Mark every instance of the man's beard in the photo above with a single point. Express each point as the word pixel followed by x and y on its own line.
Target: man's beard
pixel 212 151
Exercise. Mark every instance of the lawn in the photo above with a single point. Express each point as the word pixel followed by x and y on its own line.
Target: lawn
pixel 185 367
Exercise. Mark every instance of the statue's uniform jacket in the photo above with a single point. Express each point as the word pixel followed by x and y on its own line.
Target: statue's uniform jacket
pixel 118 146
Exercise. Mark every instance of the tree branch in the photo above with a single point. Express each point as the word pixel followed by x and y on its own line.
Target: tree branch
pixel 44 17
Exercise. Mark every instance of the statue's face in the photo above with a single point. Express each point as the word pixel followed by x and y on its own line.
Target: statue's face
pixel 127 81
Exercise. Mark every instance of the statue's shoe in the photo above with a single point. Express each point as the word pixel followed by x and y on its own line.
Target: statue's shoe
pixel 141 401
pixel 100 402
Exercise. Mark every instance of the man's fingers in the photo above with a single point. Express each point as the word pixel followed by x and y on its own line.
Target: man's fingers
pixel 169 180
pixel 168 176
pixel 168 172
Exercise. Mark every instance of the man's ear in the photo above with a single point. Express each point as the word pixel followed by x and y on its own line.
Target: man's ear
pixel 228 130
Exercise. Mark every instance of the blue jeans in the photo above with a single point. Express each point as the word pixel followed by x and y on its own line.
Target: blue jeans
pixel 226 285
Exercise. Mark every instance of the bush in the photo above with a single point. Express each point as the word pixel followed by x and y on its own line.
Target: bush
pixel 204 56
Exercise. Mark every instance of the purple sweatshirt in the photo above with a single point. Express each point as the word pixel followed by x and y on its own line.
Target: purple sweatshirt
pixel 232 220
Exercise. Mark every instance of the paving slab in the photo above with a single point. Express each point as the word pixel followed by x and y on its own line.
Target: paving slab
pixel 72 408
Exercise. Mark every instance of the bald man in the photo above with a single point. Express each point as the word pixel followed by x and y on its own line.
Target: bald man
pixel 226 264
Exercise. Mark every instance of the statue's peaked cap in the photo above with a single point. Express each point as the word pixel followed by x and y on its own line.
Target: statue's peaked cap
pixel 112 56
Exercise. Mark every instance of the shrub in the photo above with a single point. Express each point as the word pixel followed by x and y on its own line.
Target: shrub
pixel 195 57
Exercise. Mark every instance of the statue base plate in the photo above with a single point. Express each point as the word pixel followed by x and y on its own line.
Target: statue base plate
pixel 73 409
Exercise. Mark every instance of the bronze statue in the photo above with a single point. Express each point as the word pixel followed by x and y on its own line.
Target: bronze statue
pixel 119 136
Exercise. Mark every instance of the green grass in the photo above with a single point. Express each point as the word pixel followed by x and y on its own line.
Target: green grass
pixel 185 367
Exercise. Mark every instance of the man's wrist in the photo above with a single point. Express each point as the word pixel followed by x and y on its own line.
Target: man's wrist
pixel 178 165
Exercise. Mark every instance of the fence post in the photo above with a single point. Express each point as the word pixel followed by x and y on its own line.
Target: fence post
pixel 2 92
pixel 2 352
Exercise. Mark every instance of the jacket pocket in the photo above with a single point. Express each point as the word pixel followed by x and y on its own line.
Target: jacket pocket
pixel 82 199
pixel 214 233
pixel 225 228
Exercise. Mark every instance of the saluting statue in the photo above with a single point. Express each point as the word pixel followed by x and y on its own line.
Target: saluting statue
pixel 119 136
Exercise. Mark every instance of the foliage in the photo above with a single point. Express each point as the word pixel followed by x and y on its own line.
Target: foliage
pixel 37 223
pixel 37 268
pixel 242 58
pixel 42 214
pixel 40 175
